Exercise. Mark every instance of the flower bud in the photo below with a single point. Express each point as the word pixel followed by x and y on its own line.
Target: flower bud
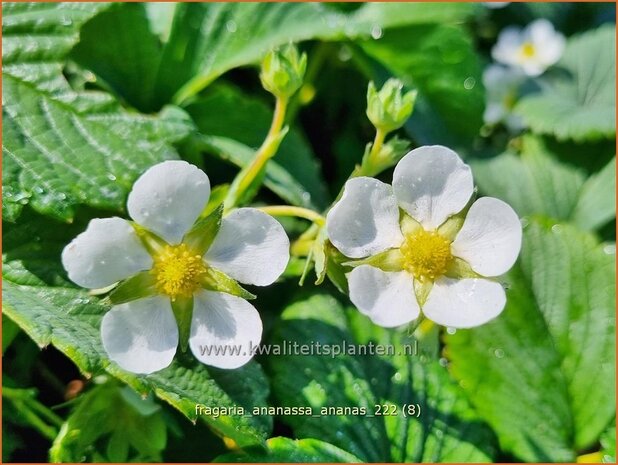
pixel 387 108
pixel 283 70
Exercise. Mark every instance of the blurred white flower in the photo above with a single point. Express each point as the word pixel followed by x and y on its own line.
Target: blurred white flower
pixel 502 88
pixel 415 252
pixel 142 335
pixel 533 49
pixel 496 5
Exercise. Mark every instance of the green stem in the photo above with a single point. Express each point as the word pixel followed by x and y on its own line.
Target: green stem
pixel 368 167
pixel 288 210
pixel 267 150
pixel 30 409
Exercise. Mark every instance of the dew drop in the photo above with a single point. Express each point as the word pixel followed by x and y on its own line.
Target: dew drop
pixel 111 177
pixel 451 330
pixel 345 54
pixel 556 228
pixel 499 353
pixel 376 32
pixel 443 362
pixel 610 249
pixel 469 83
pixel 231 26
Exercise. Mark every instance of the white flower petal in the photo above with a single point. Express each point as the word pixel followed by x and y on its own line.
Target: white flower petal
pixel 464 303
pixel 365 220
pixel 106 252
pixel 251 247
pixel 385 297
pixel 225 330
pixel 432 183
pixel 507 48
pixel 168 198
pixel 490 239
pixel 141 336
pixel 540 31
pixel 494 113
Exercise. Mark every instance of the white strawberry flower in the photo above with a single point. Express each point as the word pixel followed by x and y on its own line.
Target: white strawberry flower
pixel 502 86
pixel 532 49
pixel 418 246
pixel 173 266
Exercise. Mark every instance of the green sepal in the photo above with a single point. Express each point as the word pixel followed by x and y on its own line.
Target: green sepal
pixel 461 269
pixel 153 243
pixel 183 312
pixel 138 286
pixel 320 257
pixel 389 260
pixel 217 197
pixel 408 224
pixel 203 233
pixel 451 227
pixel 422 290
pixel 308 264
pixel 215 280
pixel 335 269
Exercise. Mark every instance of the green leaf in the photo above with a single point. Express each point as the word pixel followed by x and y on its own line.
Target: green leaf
pixel 397 14
pixel 227 112
pixel 67 158
pixel 208 39
pixel 534 182
pixel 134 430
pixel 447 428
pixel 70 320
pixel 596 204
pixel 36 37
pixel 289 450
pixel 119 46
pixel 582 105
pixel 64 147
pixel 608 443
pixel 539 184
pixel 439 61
pixel 553 346
pixel 32 248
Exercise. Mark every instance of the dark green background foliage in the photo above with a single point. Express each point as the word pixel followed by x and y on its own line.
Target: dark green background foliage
pixel 94 94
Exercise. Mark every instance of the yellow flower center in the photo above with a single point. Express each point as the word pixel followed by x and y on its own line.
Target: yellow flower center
pixel 178 271
pixel 528 50
pixel 426 254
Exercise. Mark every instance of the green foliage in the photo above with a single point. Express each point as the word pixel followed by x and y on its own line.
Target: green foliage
pixel 581 105
pixel 134 431
pixel 60 156
pixel 608 441
pixel 226 112
pixel 553 345
pixel 446 430
pixel 536 182
pixel 96 93
pixel 70 319
pixel 444 68
pixel 288 450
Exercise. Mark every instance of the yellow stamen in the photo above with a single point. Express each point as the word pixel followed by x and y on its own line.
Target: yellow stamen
pixel 426 254
pixel 178 271
pixel 528 50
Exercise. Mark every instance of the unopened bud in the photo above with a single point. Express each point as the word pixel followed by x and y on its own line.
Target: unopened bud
pixel 388 109
pixel 283 71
